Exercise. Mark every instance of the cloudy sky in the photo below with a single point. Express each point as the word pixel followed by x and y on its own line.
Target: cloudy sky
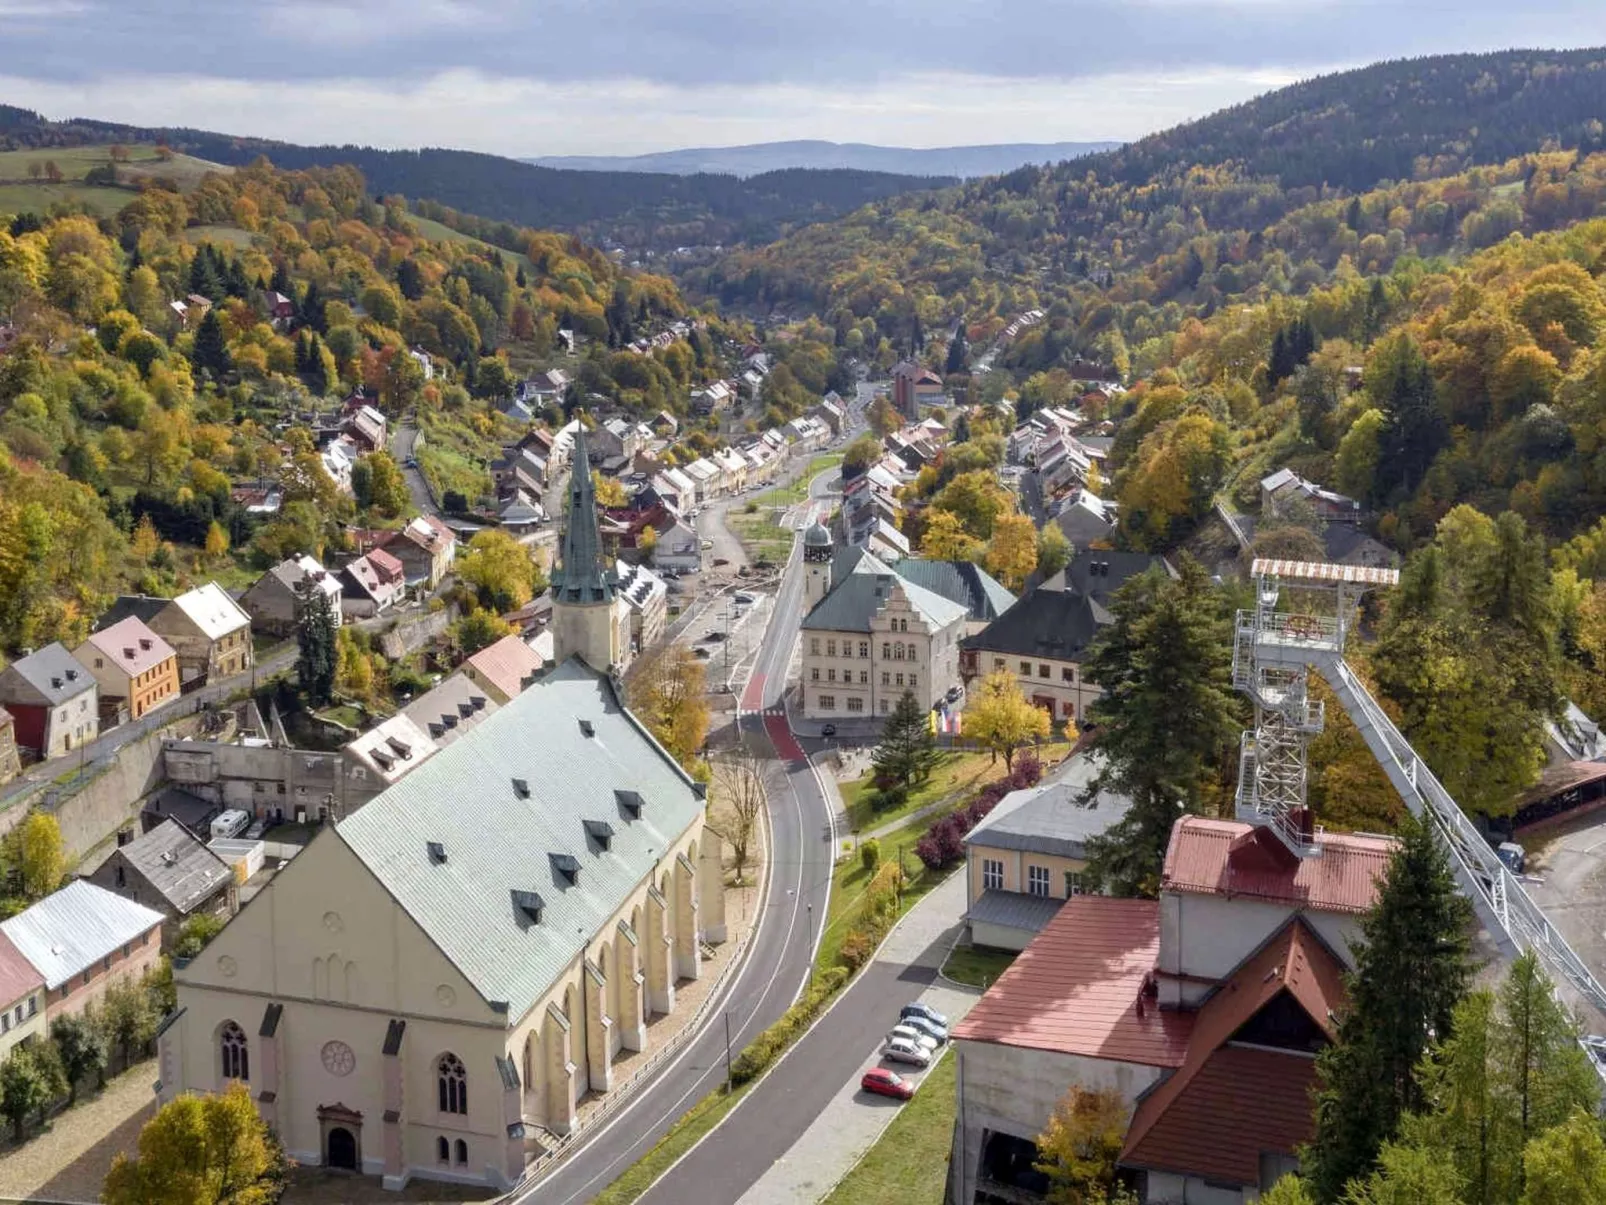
pixel 625 76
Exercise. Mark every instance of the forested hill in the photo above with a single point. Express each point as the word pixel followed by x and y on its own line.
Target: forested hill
pixel 1352 129
pixel 641 212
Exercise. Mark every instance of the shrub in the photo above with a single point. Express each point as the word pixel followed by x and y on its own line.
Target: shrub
pixel 870 855
pixel 857 947
pixel 943 844
pixel 888 798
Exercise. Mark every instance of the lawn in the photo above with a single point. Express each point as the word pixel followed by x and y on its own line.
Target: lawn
pixel 850 879
pixel 76 161
pixel 789 495
pixel 978 966
pixel 39 198
pixel 908 1165
pixel 441 233
pixel 757 529
pixel 682 1136
pixel 958 774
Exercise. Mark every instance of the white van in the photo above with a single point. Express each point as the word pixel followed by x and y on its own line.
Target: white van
pixel 231 823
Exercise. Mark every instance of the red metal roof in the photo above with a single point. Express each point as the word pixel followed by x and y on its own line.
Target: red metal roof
pixel 1076 989
pixel 1230 858
pixel 507 664
pixel 1225 1105
pixel 18 976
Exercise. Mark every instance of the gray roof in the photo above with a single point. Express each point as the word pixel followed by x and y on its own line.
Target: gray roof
pixel 582 576
pixel 144 607
pixel 855 599
pixel 177 865
pixel 1014 910
pixel 75 928
pixel 817 536
pixel 498 841
pixel 53 672
pixel 1047 818
pixel 450 709
pixel 963 582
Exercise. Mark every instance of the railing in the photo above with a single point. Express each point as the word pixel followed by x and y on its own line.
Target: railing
pixel 1316 630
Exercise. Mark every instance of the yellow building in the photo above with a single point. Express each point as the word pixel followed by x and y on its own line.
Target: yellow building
pixel 434 983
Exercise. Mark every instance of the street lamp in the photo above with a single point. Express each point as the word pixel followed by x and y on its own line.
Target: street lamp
pixel 811 944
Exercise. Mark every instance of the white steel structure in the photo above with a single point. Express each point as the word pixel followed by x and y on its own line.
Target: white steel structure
pixel 1274 649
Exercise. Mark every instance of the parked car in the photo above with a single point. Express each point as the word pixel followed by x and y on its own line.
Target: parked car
pixel 923 1024
pixel 715 636
pixel 900 1050
pixel 953 694
pixel 742 596
pixel 923 1010
pixel 908 1033
pixel 707 544
pixel 885 1082
pixel 828 730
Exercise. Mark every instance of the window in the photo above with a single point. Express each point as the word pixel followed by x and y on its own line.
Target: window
pixel 33 1005
pixel 1026 668
pixel 827 702
pixel 900 679
pixel 5 1022
pixel 886 678
pixel 258 787
pixel 236 1057
pixel 914 679
pixel 1037 880
pixel 992 875
pixel 998 663
pixel 122 876
pixel 886 650
pixel 897 652
pixel 461 1153
pixel 830 648
pixel 1073 884
pixel 864 677
pixel 884 707
pixel 1067 674
pixel 814 674
pixel 814 646
pixel 830 675
pixel 1042 670
pixel 17 1017
pixel 864 649
pixel 443 1150
pixel 106 963
pixel 451 1084
pixel 855 704
pixel 1068 710
pixel 86 978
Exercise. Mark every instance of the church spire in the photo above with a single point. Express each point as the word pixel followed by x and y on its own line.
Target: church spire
pixel 582 576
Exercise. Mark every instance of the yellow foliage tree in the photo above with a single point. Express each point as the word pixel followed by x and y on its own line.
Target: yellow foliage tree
pixel 217 541
pixel 1012 552
pixel 145 539
pixel 945 538
pixel 609 491
pixel 1000 719
pixel 1078 1147
pixel 201 1150
pixel 668 694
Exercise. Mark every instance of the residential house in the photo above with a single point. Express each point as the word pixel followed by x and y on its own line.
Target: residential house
pixel 262 499
pixel 339 456
pixel 547 386
pixel 913 386
pixel 425 364
pixel 371 584
pixel 81 940
pixel 807 434
pixel 520 514
pixel 1045 636
pixel 733 470
pixel 712 398
pixel 451 710
pixel 646 596
pixel 425 548
pixel 705 478
pixel 1348 544
pixel 676 488
pixel 132 666
pixel 10 759
pixel 275 600
pixel 366 427
pixel 281 309
pixel 869 634
pixel 503 670
pixel 1284 493
pixel 762 462
pixel 678 546
pixel 429 989
pixel 52 701
pixel 1218 993
pixel 520 467
pixel 172 871
pixel 832 411
pixel 665 424
pixel 22 1000
pixel 385 753
pixel 206 628
pixel 1086 519
pixel 519 410
pixel 1028 855
pixel 617 438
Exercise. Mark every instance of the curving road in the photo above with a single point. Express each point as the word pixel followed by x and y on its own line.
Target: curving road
pixel 782 949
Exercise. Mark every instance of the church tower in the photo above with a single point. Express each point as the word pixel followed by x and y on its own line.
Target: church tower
pixel 584 609
pixel 817 556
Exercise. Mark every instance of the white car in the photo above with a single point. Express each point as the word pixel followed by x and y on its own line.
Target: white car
pixel 908 1033
pixel 901 1050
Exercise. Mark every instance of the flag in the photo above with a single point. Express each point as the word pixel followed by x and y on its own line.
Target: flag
pixel 931 722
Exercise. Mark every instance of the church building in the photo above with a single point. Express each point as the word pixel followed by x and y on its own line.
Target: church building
pixel 432 986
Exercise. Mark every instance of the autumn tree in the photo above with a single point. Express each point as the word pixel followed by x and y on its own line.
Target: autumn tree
pixel 1412 968
pixel 1012 551
pixel 1167 714
pixel 1000 719
pixel 82 1048
pixel 217 541
pixel 479 629
pixel 1054 551
pixel 201 1150
pixel 377 481
pixel 1566 1163
pixel 739 784
pixel 883 417
pixel 945 538
pixel 1079 1146
pixel 126 1019
pixel 24 1088
pixel 860 455
pixel 668 693
pixel 1406 1175
pixel 503 571
pixel 610 491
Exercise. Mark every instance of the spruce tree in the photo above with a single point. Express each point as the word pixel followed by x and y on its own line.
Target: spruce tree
pixel 907 751
pixel 958 352
pixel 1411 970
pixel 210 352
pixel 316 639
pixel 281 280
pixel 1166 717
pixel 312 308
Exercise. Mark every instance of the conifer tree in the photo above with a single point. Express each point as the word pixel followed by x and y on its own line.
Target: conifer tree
pixel 1411 970
pixel 210 352
pixel 958 352
pixel 318 657
pixel 907 751
pixel 312 308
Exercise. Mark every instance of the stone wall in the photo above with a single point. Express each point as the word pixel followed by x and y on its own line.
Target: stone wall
pixel 414 632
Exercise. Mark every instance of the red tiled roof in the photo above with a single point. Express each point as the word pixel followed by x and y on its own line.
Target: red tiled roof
pixel 389 568
pixel 1225 1105
pixel 1075 989
pixel 1230 858
pixel 131 646
pixel 18 976
pixel 506 664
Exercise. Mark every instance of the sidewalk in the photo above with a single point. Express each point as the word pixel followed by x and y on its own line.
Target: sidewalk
pixel 853 1120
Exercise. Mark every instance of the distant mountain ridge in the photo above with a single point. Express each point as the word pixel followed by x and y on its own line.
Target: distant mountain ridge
pixel 757 158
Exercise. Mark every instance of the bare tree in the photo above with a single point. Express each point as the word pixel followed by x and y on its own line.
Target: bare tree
pixel 739 781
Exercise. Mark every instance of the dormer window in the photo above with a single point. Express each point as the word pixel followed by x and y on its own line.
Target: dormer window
pixel 400 746
pixel 587 728
pixel 632 803
pixel 530 904
pixel 437 852
pixel 382 759
pixel 568 866
pixel 521 788
pixel 599 831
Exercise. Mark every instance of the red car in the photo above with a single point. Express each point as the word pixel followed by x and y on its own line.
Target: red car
pixel 887 1083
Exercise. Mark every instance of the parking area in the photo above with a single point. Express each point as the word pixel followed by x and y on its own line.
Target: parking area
pixel 1566 876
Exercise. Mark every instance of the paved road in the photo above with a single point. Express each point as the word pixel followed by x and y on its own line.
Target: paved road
pixel 782 949
pixel 403 441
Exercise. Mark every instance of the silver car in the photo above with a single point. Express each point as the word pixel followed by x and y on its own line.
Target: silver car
pixel 908 1033
pixel 925 1025
pixel 901 1050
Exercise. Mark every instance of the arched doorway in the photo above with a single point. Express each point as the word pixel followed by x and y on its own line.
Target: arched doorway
pixel 342 1149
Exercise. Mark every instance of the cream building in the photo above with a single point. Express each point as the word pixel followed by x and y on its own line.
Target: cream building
pixel 435 982
pixel 871 634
